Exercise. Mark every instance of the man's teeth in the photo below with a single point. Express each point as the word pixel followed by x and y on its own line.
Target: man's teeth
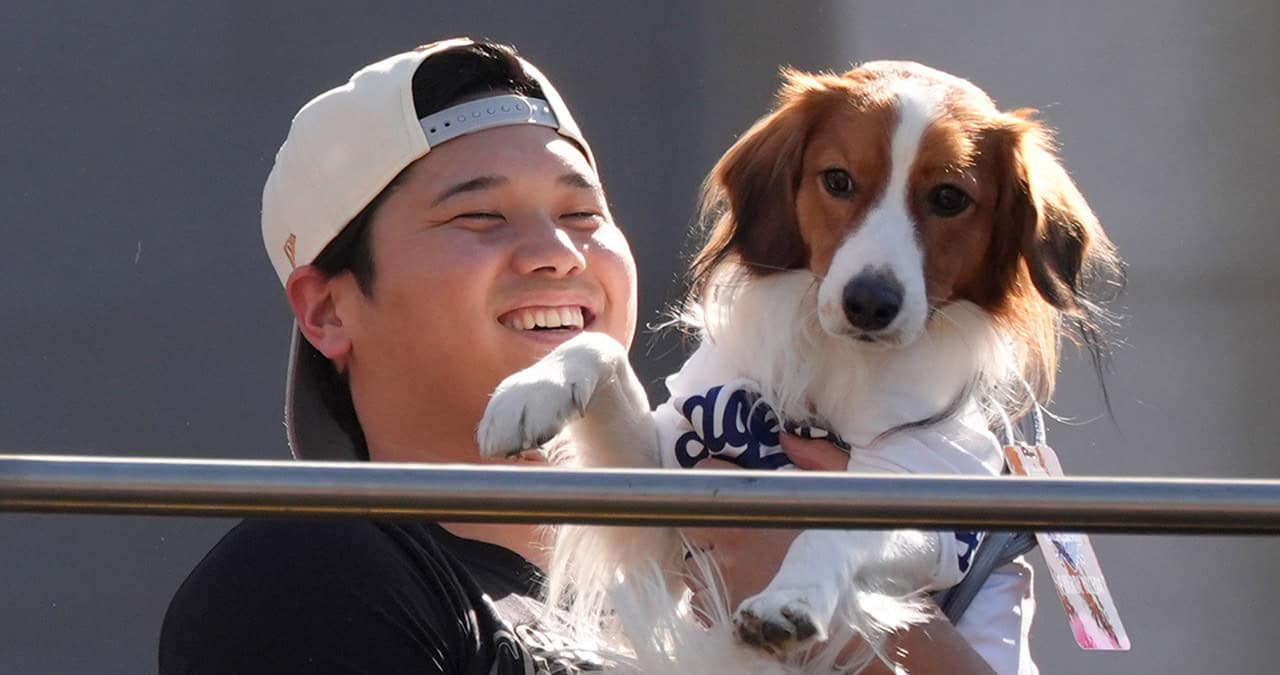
pixel 545 317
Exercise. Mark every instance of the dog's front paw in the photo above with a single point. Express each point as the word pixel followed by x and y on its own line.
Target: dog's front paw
pixel 780 621
pixel 527 410
pixel 530 407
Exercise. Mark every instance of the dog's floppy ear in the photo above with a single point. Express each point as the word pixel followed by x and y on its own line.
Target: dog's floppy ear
pixel 749 198
pixel 1049 243
pixel 1068 255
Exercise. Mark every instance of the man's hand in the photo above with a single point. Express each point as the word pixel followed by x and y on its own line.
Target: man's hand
pixel 814 455
pixel 749 557
pixel 746 558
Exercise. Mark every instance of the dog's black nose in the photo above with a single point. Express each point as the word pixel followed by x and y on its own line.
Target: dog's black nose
pixel 871 301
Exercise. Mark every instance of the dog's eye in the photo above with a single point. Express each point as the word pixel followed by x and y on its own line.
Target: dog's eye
pixel 948 200
pixel 838 182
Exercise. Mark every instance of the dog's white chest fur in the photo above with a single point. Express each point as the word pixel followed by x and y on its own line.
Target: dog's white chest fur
pixel 766 330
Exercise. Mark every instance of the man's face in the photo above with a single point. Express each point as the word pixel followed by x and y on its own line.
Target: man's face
pixel 487 243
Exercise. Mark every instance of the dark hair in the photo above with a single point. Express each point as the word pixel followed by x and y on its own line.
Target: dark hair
pixel 445 79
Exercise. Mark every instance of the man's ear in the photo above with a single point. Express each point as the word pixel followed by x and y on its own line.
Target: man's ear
pixel 312 296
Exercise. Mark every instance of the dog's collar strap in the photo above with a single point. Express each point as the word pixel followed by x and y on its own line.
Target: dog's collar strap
pixel 997 550
pixel 1008 432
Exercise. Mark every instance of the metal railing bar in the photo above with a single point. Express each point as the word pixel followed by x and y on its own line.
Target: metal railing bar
pixel 187 487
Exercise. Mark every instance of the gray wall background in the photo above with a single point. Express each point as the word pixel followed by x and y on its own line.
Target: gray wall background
pixel 140 315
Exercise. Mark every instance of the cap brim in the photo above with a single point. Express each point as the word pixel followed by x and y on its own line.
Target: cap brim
pixel 313 433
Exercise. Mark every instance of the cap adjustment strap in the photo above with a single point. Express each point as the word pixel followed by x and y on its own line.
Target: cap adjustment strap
pixel 486 113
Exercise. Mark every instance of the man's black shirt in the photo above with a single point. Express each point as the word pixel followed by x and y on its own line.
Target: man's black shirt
pixel 279 596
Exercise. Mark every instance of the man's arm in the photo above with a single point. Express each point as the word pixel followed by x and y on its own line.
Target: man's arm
pixel 932 647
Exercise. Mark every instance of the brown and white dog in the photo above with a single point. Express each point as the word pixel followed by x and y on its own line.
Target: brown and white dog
pixel 889 254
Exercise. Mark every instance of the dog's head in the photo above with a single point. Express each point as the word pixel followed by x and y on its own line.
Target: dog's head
pixel 904 189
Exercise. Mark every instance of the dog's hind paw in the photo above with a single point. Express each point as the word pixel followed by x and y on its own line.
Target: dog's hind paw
pixel 779 622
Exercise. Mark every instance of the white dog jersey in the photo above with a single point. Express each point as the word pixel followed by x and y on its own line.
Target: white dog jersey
pixel 711 413
pixel 728 420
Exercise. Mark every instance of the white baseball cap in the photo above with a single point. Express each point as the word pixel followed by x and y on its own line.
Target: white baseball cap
pixel 343 149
